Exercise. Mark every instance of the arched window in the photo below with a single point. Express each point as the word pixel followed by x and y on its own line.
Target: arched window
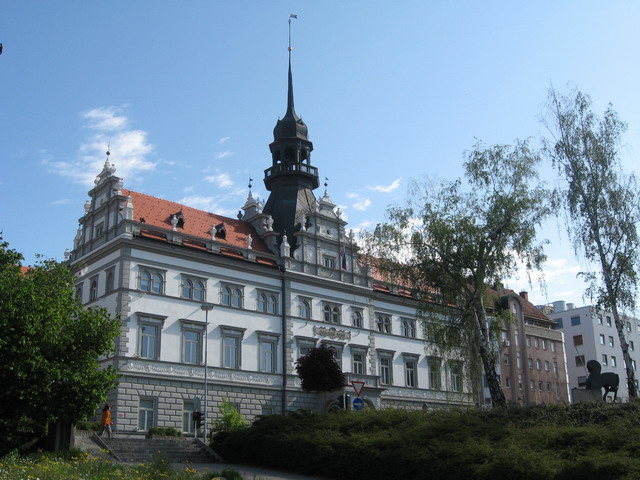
pixel 335 315
pixel 327 313
pixel 356 318
pixel 94 290
pixel 110 282
pixel 236 298
pixel 198 292
pixel 156 286
pixel 305 309
pixel 226 296
pixel 271 304
pixel 187 289
pixel 145 282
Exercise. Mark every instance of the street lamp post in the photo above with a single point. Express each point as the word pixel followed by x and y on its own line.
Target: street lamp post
pixel 207 307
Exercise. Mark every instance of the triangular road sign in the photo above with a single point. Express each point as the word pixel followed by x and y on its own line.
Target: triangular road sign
pixel 357 386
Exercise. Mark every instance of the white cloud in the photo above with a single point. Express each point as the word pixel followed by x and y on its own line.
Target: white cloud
pixel 224 154
pixel 203 203
pixel 362 204
pixel 387 188
pixel 188 189
pixel 62 201
pixel 128 148
pixel 105 119
pixel 223 140
pixel 222 180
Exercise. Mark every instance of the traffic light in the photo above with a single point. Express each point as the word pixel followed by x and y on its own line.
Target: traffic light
pixel 197 419
pixel 344 401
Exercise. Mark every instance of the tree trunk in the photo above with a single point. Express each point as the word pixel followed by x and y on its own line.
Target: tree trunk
pixel 488 356
pixel 631 376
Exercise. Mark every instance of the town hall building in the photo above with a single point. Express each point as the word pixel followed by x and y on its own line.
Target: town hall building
pixel 216 308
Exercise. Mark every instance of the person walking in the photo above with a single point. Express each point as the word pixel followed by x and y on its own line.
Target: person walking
pixel 105 421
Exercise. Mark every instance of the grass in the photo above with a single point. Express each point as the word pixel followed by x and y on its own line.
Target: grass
pixel 81 466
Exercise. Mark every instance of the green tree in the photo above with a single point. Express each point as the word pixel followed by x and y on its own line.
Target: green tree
pixel 601 203
pixel 319 371
pixel 49 347
pixel 230 419
pixel 450 244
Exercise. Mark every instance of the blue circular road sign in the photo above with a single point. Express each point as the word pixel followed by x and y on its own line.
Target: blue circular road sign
pixel 358 404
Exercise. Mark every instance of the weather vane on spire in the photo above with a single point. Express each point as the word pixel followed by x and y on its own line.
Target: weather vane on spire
pixel 291 15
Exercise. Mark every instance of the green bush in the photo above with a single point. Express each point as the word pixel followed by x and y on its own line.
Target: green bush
pixel 230 419
pixel 554 442
pixel 86 425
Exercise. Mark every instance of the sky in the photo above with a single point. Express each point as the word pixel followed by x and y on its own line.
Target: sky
pixel 187 94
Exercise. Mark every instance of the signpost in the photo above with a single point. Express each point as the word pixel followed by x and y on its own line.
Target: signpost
pixel 358 403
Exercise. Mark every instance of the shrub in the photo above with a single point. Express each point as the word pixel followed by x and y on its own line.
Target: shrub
pixel 230 419
pixel 165 431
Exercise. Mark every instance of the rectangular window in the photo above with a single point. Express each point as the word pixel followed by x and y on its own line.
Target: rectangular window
pixel 555 368
pixel 538 364
pixel 605 360
pixel 599 319
pixel 149 337
pixel 631 347
pixel 553 346
pixel 544 344
pixel 329 262
pixel 191 347
pixel 507 382
pixel 536 342
pixel 575 321
pixel 528 341
pixel 614 362
pixel 410 370
pixel 99 229
pixel 358 363
pixel 531 363
pixel 519 362
pixel 455 369
pixel 633 365
pixel 546 365
pixel 579 360
pixel 611 343
pixel 520 382
pixel 608 321
pixel 559 322
pixel 506 359
pixel 231 346
pixel 386 370
pixel 434 373
pixel 577 339
pixel 188 424
pixel 532 385
pixel 146 414
pixel 305 346
pixel 601 339
pixel 267 352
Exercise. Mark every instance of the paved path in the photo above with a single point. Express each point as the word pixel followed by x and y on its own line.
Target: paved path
pixel 249 472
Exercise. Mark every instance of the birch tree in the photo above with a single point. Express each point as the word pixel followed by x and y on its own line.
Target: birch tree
pixel 452 240
pixel 601 203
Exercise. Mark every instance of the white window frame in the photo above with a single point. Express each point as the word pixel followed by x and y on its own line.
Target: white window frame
pixel 268 302
pixel 305 344
pixel 357 317
pixel 408 326
pixel 358 367
pixel 332 313
pixel 456 375
pixel 236 335
pixel 191 327
pixel 385 361
pixel 93 288
pixel 305 308
pixel 231 295
pixel 151 280
pixel 383 323
pixel 411 370
pixel 435 373
pixel 267 358
pixel 147 414
pixel 188 407
pixel 190 286
pixel 156 322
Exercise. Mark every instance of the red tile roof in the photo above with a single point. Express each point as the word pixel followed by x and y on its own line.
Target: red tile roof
pixel 157 213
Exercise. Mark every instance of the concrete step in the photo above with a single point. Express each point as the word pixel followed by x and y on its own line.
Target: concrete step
pixel 175 450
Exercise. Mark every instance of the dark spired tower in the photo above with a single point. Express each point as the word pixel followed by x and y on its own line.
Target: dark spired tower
pixel 291 178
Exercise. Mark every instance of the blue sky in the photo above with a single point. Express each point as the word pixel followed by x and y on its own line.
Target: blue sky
pixel 188 94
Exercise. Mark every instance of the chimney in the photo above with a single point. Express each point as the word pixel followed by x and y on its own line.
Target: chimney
pixel 525 295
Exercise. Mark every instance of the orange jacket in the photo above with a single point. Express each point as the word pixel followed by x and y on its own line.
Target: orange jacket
pixel 106 418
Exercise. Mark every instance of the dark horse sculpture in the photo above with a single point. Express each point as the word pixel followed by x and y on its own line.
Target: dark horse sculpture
pixel 597 381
